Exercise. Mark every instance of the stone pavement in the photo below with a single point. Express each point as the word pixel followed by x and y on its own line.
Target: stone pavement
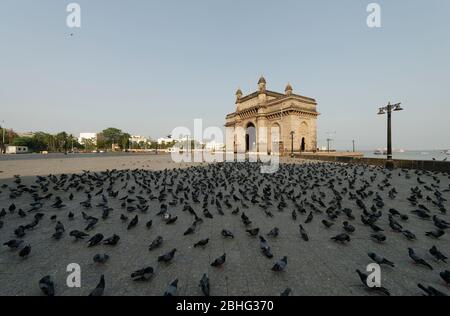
pixel 317 267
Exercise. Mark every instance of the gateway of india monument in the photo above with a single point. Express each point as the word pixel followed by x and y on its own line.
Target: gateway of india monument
pixel 265 119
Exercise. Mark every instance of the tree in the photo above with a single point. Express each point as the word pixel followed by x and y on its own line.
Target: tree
pixel 124 141
pixel 72 142
pixel 112 135
pixel 61 141
pixel 33 143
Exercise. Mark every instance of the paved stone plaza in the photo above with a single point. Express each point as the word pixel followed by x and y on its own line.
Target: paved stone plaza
pixel 317 267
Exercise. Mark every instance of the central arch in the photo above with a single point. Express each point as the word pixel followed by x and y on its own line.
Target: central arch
pixel 275 138
pixel 250 137
pixel 304 136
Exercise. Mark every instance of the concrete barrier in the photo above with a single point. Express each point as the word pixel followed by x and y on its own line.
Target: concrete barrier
pixel 429 165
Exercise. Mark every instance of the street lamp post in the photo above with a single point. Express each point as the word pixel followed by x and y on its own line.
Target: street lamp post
pixel 388 110
pixel 3 148
pixel 292 143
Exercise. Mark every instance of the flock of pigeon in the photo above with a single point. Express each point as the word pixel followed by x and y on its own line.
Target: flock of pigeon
pixel 358 199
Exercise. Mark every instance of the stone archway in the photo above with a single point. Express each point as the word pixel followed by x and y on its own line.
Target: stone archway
pixel 250 137
pixel 304 136
pixel 274 138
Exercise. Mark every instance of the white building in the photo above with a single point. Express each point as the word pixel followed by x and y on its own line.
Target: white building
pixel 16 149
pixel 87 136
pixel 165 140
pixel 139 139
pixel 213 145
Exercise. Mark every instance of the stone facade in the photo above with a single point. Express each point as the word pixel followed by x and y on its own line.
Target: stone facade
pixel 265 121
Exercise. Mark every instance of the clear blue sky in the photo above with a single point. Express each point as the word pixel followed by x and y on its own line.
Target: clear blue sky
pixel 149 66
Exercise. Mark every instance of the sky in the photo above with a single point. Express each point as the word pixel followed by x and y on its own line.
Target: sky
pixel 149 66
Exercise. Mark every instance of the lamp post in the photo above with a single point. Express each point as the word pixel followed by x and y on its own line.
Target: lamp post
pixel 328 144
pixel 388 110
pixel 292 143
pixel 3 142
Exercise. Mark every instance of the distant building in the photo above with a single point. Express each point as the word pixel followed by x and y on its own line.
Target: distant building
pixel 16 149
pixel 165 140
pixel 26 134
pixel 213 145
pixel 92 137
pixel 139 139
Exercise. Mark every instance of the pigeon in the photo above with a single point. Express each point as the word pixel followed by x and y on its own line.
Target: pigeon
pixel 91 224
pixel 265 248
pixel 171 220
pixel 418 260
pixel 431 291
pixel 349 228
pixel 303 233
pixel 78 235
pixel 219 261
pixel 167 257
pixel 149 224
pixel 95 240
pixel 172 289
pixel 363 277
pixel 286 292
pixel 341 238
pixel 133 222
pixel 144 274
pixel 98 291
pixel 245 219
pixel 47 286
pixel 227 234
pixel 380 260
pixel 21 213
pixel 253 232
pixel 111 241
pixel 101 258
pixel 327 224
pixel 207 214
pixel 280 265
pixel 309 218
pixel 438 255
pixel 274 232
pixel 12 208
pixel 156 243
pixel 435 234
pixel 409 235
pixel 294 215
pixel 380 238
pixel 445 276
pixel 204 285
pixel 201 243
pixel 190 230
pixel 25 251
pixel 13 244
pixel 375 228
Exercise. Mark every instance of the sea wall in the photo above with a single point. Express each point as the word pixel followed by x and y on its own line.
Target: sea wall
pixel 429 165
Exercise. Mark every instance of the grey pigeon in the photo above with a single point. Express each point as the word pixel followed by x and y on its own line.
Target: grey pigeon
pixel 280 265
pixel 172 289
